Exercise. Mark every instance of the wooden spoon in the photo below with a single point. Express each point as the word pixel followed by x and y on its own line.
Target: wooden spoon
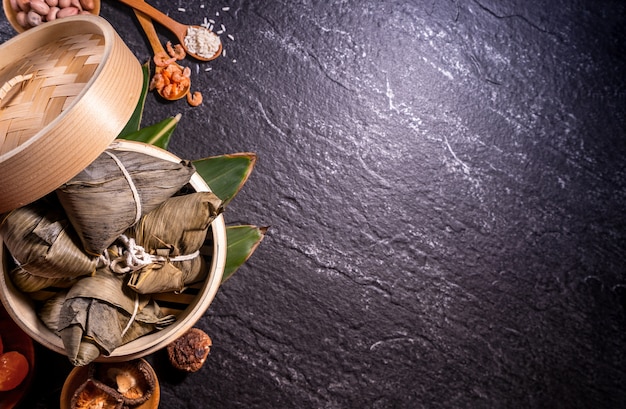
pixel 157 47
pixel 178 29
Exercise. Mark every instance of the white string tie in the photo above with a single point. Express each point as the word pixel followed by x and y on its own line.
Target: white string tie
pixel 133 257
pixel 131 183
pixel 133 316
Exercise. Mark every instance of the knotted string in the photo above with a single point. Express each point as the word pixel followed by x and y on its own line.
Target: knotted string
pixel 132 257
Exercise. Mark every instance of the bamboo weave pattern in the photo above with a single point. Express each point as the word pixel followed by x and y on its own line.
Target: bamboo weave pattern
pixel 60 71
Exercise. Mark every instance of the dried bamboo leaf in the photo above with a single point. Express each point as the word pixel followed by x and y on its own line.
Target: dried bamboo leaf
pixel 180 222
pixel 178 227
pixel 108 287
pixel 85 319
pixel 50 311
pixel 85 322
pixel 103 328
pixel 99 313
pixel 157 278
pixel 42 241
pixel 29 283
pixel 104 200
pixel 149 319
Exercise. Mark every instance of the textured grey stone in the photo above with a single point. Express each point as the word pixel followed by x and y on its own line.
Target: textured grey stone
pixel 445 184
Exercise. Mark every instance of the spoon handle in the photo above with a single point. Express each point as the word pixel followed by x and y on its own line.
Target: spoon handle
pixel 151 34
pixel 179 29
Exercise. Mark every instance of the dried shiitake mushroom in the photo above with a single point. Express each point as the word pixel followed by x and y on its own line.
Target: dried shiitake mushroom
pixel 94 394
pixel 133 380
pixel 189 351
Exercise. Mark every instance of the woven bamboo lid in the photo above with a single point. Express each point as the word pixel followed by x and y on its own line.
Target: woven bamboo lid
pixel 67 88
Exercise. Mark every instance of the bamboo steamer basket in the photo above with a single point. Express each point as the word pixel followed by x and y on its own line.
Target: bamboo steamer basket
pixel 97 101
pixel 188 306
pixel 69 88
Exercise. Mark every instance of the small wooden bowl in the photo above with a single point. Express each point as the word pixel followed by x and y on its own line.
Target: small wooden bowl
pixel 188 306
pixel 67 88
pixel 80 374
pixel 11 14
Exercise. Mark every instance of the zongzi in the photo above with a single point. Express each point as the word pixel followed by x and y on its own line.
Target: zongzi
pixel 99 313
pixel 173 234
pixel 30 283
pixel 115 190
pixel 43 242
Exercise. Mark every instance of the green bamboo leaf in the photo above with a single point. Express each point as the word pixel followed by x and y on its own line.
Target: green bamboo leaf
pixel 226 174
pixel 242 241
pixel 134 122
pixel 158 134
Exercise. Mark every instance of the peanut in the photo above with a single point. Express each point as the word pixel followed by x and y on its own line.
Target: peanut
pixel 33 18
pixel 88 4
pixel 40 7
pixel 52 14
pixel 67 11
pixel 26 11
pixel 24 5
pixel 21 19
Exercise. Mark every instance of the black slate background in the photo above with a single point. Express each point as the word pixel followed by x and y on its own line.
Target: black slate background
pixel 445 184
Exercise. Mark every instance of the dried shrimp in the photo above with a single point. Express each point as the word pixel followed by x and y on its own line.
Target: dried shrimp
pixel 170 79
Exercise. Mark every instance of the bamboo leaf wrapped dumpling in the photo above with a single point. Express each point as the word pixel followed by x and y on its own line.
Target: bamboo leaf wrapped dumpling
pixel 30 283
pixel 43 242
pixel 99 313
pixel 173 234
pixel 112 193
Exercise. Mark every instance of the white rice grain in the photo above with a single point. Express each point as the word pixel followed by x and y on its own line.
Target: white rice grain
pixel 202 42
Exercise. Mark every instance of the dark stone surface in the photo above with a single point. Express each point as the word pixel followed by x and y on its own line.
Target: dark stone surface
pixel 445 183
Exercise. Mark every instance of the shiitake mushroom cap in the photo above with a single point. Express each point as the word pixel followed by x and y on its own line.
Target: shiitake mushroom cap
pixel 93 393
pixel 133 380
